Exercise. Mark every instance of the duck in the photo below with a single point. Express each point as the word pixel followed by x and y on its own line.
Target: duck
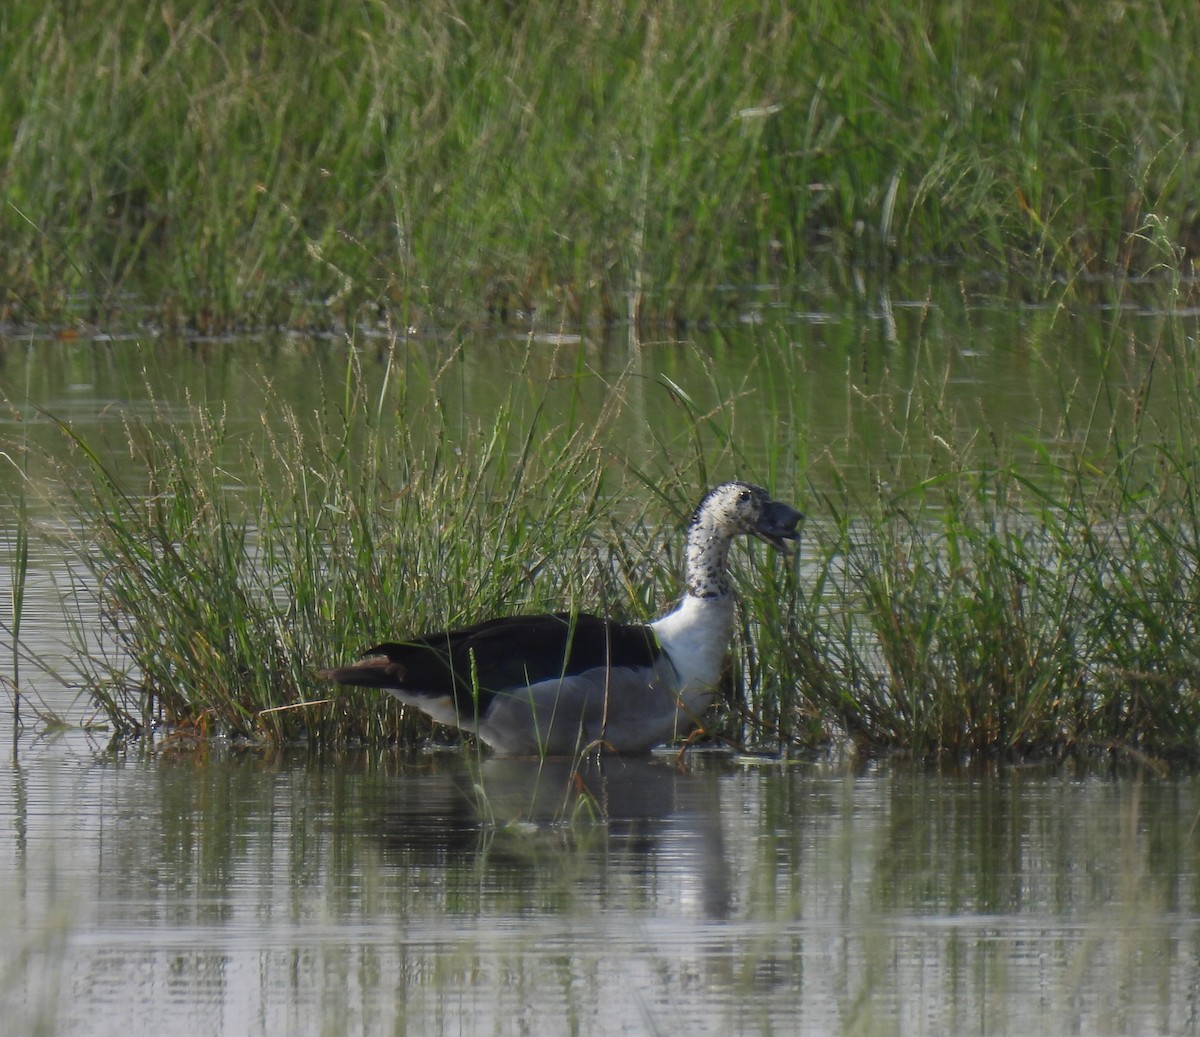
pixel 559 684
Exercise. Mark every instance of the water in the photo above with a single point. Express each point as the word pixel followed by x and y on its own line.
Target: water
pixel 819 390
pixel 199 893
pixel 202 890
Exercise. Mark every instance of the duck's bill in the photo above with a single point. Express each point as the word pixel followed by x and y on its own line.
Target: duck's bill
pixel 777 525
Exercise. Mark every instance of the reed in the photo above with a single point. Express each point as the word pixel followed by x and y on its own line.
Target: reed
pixel 18 573
pixel 212 169
pixel 975 604
pixel 955 595
pixel 985 603
pixel 17 546
pixel 373 519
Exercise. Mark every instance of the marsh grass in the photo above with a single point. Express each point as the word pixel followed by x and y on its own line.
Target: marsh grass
pixel 958 595
pixel 263 166
pixel 1036 630
pixel 980 602
pixel 18 577
pixel 365 522
pixel 17 564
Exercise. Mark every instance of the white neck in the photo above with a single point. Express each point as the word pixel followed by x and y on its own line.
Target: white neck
pixel 696 634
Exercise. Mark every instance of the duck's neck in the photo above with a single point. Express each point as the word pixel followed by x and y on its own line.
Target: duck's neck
pixel 707 572
pixel 696 633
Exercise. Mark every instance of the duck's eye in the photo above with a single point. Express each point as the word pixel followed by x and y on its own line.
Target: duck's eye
pixel 744 496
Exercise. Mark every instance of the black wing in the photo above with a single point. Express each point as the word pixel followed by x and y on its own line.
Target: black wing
pixel 499 655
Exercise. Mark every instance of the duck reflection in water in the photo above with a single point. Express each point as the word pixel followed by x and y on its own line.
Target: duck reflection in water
pixel 598 822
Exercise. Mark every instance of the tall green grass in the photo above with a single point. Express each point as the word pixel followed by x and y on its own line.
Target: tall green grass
pixel 17 564
pixel 223 595
pixel 957 593
pixel 209 167
pixel 1039 599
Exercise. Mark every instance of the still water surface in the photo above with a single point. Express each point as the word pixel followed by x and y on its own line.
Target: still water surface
pixel 211 892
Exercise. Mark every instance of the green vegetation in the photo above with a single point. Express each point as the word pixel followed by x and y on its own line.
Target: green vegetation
pixel 224 599
pixel 214 166
pixel 370 166
pixel 965 597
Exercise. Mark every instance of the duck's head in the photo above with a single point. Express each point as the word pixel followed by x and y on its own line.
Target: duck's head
pixel 735 508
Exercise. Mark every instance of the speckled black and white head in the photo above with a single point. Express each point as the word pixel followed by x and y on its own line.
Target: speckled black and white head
pixel 729 510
